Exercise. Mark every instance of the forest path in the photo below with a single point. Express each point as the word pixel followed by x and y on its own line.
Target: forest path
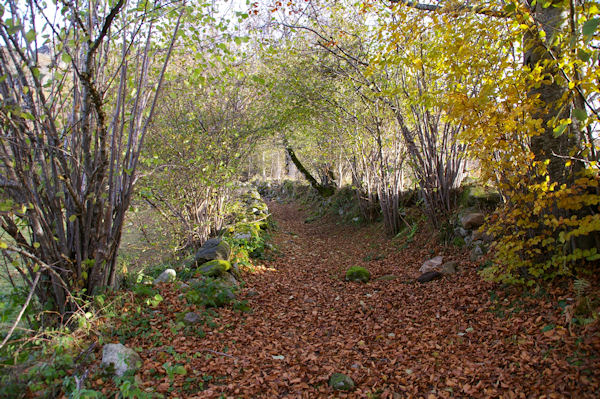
pixel 395 338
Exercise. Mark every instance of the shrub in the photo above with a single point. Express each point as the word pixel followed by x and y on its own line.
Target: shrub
pixel 210 293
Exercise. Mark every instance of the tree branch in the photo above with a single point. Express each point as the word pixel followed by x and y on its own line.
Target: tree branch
pixel 20 315
pixel 107 23
pixel 482 10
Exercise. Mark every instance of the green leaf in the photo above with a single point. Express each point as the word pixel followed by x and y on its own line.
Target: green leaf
pixel 593 257
pixel 72 218
pixel 13 29
pixel 510 8
pixel 580 114
pixel 583 55
pixel 66 58
pixel 180 370
pixel 589 27
pixel 559 130
pixel 3 245
pixel 30 36
pixel 562 304
pixel 28 116
pixel 548 327
pixel 258 79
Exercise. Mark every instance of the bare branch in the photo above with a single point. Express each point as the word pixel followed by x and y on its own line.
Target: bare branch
pixel 20 315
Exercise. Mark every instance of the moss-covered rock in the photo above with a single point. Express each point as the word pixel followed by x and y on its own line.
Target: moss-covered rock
pixel 120 359
pixel 357 273
pixel 211 292
pixel 245 231
pixel 215 248
pixel 235 271
pixel 214 268
pixel 341 382
pixel 229 280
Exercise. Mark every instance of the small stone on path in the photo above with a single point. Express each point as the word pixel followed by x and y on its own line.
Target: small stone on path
pixel 341 382
pixel 429 276
pixel 449 268
pixel 192 318
pixel 122 358
pixel 432 264
pixel 167 276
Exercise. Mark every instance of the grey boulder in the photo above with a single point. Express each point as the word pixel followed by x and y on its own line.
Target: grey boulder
pixel 230 280
pixel 212 249
pixel 472 220
pixel 167 276
pixel 123 359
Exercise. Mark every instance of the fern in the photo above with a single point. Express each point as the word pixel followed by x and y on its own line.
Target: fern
pixel 580 286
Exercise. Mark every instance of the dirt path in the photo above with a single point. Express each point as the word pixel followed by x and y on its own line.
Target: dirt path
pixel 447 338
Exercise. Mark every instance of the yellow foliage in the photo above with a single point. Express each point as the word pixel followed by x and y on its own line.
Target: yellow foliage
pixel 488 91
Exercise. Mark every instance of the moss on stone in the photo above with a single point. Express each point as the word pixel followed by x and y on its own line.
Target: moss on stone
pixel 341 382
pixel 214 268
pixel 358 273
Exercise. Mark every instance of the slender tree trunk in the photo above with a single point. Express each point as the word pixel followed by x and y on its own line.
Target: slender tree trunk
pixel 323 190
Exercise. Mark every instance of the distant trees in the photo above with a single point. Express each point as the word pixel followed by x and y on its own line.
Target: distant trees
pixel 391 99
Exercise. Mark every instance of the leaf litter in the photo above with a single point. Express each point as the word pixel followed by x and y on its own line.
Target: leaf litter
pixel 455 337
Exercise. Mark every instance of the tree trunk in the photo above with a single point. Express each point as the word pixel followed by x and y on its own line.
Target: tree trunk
pixel 553 107
pixel 323 190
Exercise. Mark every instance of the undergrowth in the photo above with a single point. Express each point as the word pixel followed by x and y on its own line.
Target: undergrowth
pixel 62 361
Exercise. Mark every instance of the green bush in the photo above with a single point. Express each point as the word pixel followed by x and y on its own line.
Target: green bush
pixel 459 242
pixel 249 240
pixel 38 367
pixel 472 195
pixel 407 234
pixel 210 292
